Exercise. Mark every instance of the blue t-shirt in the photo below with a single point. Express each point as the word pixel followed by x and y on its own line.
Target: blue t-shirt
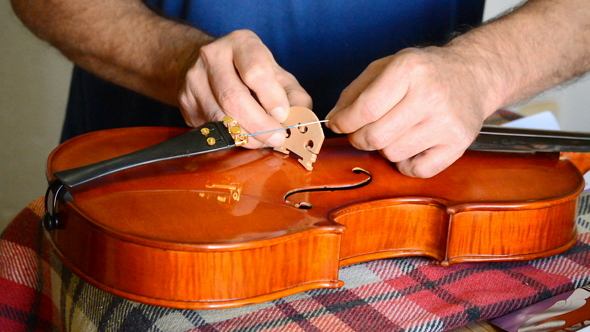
pixel 325 43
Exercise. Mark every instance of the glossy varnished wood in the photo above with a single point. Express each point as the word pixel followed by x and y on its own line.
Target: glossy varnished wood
pixel 214 230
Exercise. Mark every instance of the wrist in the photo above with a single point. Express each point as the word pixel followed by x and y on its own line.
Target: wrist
pixel 484 71
pixel 172 52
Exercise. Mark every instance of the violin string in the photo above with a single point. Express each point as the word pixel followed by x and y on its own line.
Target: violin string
pixel 550 134
pixel 294 126
pixel 546 134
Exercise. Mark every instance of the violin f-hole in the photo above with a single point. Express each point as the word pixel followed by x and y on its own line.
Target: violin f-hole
pixel 307 205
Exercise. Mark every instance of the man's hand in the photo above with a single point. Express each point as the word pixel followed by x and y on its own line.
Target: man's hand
pixel 237 75
pixel 421 108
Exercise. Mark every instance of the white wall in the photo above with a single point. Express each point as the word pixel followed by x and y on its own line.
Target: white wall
pixel 33 87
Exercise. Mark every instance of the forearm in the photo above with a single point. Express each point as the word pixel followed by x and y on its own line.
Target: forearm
pixel 122 41
pixel 542 44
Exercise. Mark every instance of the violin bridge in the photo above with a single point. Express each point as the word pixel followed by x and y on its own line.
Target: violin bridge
pixel 304 140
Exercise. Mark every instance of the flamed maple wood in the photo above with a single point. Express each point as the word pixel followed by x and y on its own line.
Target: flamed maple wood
pixel 214 230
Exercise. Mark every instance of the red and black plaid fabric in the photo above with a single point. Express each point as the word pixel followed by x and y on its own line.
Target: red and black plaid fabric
pixel 37 293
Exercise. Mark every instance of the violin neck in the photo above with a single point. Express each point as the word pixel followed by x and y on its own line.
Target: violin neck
pixel 497 138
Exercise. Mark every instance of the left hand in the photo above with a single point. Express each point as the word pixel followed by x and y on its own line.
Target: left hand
pixel 421 108
pixel 237 75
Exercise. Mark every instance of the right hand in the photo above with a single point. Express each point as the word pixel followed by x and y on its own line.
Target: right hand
pixel 420 108
pixel 236 75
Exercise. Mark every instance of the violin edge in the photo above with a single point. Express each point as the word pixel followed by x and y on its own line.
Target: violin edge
pixel 194 304
pixel 511 258
pixel 225 278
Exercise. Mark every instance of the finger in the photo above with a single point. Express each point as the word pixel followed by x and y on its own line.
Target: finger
pixel 234 99
pixel 256 67
pixel 235 102
pixel 186 95
pixel 354 89
pixel 210 111
pixel 430 162
pixel 380 96
pixel 197 102
pixel 387 130
pixel 295 92
pixel 416 140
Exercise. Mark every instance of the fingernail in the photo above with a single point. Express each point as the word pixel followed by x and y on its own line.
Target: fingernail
pixel 277 139
pixel 280 114
pixel 329 124
pixel 329 116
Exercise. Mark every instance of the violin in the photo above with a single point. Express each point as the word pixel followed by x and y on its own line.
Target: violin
pixel 235 227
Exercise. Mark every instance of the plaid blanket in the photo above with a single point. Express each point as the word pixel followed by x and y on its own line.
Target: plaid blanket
pixel 37 293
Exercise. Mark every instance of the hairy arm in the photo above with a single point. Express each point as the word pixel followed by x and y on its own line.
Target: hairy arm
pixel 122 41
pixel 537 46
pixel 125 42
pixel 422 108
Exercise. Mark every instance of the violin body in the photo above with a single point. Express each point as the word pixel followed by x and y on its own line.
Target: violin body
pixel 227 228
